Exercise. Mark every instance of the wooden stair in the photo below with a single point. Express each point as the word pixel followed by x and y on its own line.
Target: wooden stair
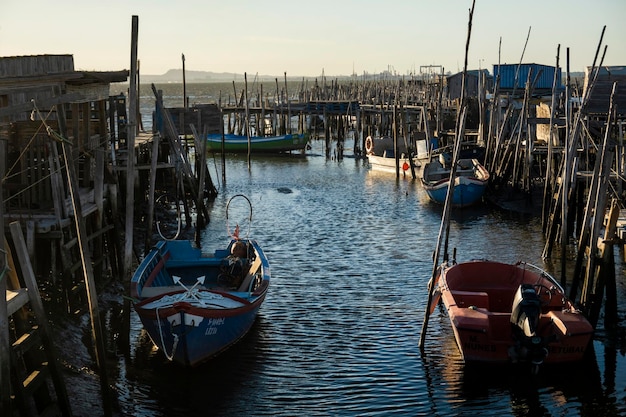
pixel 37 387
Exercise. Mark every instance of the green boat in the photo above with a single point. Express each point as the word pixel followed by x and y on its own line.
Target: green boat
pixel 258 144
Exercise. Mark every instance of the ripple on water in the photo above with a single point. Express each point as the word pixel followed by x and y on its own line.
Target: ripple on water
pixel 350 255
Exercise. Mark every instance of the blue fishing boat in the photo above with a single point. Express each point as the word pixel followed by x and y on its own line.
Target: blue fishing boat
pixel 470 180
pixel 195 305
pixel 258 144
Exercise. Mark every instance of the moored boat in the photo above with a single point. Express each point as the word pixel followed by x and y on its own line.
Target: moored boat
pixel 511 313
pixel 195 305
pixel 470 180
pixel 258 144
pixel 382 157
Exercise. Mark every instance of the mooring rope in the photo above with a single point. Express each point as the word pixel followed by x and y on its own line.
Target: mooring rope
pixel 169 357
pixel 179 225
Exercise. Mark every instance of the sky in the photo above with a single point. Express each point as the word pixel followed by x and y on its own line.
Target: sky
pixel 329 37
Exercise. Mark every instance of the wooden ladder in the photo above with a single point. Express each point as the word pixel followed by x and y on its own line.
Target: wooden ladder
pixel 37 387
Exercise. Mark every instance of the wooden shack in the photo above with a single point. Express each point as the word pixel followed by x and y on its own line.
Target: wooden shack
pixel 475 81
pixel 599 97
pixel 45 103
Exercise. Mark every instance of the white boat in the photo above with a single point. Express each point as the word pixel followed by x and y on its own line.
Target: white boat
pixel 381 156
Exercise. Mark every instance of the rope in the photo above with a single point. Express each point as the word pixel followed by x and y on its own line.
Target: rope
pixel 180 221
pixel 169 357
pixel 235 234
pixel 53 135
pixel 27 145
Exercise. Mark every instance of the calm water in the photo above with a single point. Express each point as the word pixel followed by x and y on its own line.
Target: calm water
pixel 350 251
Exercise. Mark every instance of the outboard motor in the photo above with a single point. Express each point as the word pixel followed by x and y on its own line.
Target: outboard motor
pixel 525 314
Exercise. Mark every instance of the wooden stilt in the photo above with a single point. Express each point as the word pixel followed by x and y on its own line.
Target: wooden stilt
pixel 5 367
pixel 85 255
pixel 34 381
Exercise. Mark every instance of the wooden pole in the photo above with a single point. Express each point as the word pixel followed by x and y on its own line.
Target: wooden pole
pixel 460 127
pixel 548 184
pixel 5 343
pixel 200 146
pixel 152 186
pixel 185 101
pixel 245 82
pixel 37 306
pixel 130 148
pixel 395 143
pixel 288 106
pixel 181 156
pixel 85 256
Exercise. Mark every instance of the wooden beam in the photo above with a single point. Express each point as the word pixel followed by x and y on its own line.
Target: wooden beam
pixel 45 103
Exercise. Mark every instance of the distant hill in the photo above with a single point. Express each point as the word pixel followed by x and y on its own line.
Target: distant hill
pixel 176 76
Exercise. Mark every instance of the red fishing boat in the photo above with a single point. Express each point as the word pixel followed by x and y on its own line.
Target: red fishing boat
pixel 511 313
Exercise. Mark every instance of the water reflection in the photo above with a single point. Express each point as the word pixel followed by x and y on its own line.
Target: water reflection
pixel 351 252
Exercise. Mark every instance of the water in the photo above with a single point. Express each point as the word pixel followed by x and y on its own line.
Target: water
pixel 350 251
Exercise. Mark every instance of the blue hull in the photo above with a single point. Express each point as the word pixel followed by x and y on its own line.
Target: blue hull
pixel 463 195
pixel 188 338
pixel 258 144
pixel 193 305
pixel 470 182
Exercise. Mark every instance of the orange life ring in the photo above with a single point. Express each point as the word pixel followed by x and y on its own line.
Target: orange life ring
pixel 369 144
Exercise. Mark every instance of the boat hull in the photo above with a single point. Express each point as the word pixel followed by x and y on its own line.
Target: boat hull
pixel 470 182
pixel 258 144
pixel 467 191
pixel 194 306
pixel 478 297
pixel 191 334
pixel 388 164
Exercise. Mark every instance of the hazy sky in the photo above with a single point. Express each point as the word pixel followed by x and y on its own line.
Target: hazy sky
pixel 308 38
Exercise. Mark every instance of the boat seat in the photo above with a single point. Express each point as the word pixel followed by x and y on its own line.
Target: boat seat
pixel 466 299
pixel 501 299
pixel 148 292
pixel 254 267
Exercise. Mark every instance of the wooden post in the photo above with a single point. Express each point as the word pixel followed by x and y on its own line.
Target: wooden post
pixel 82 237
pixel 200 147
pixel 396 154
pixel 185 101
pixel 130 167
pixel 247 121
pixel 445 225
pixel 37 306
pixel 172 136
pixel 5 343
pixel 153 170
pixel 288 106
pixel 548 188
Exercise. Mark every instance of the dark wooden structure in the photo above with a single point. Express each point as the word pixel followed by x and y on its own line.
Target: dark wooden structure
pixel 57 189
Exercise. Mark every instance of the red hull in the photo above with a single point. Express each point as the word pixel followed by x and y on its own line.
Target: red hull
pixel 479 295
